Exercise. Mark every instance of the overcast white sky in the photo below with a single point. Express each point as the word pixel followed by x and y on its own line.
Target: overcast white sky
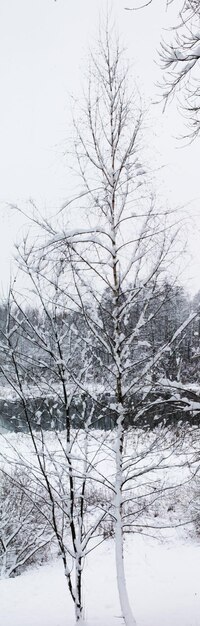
pixel 43 56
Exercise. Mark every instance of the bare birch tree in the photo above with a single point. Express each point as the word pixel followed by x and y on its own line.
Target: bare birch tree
pixel 109 270
pixel 124 248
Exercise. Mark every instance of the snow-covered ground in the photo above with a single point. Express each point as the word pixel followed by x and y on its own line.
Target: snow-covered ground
pixel 163 572
pixel 163 583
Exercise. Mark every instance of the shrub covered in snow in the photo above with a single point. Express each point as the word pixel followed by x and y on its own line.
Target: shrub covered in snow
pixel 25 534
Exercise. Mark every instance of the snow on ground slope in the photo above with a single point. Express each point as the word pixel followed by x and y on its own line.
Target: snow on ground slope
pixel 163 584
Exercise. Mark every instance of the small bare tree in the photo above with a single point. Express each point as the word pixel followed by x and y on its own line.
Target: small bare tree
pixel 25 535
pixel 39 367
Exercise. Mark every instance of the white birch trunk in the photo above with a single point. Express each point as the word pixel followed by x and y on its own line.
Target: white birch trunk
pixel 121 578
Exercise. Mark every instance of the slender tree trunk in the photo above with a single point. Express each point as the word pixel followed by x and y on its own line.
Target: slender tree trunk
pixel 121 578
pixel 78 601
pixel 3 565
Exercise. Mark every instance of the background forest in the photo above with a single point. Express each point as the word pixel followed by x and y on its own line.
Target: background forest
pixel 173 385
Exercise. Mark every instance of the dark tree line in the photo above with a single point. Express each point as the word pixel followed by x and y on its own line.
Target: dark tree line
pixel 30 330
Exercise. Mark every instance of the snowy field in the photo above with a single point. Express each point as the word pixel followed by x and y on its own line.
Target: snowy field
pixel 163 571
pixel 163 583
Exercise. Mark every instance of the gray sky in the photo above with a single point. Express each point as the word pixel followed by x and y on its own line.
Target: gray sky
pixel 43 57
